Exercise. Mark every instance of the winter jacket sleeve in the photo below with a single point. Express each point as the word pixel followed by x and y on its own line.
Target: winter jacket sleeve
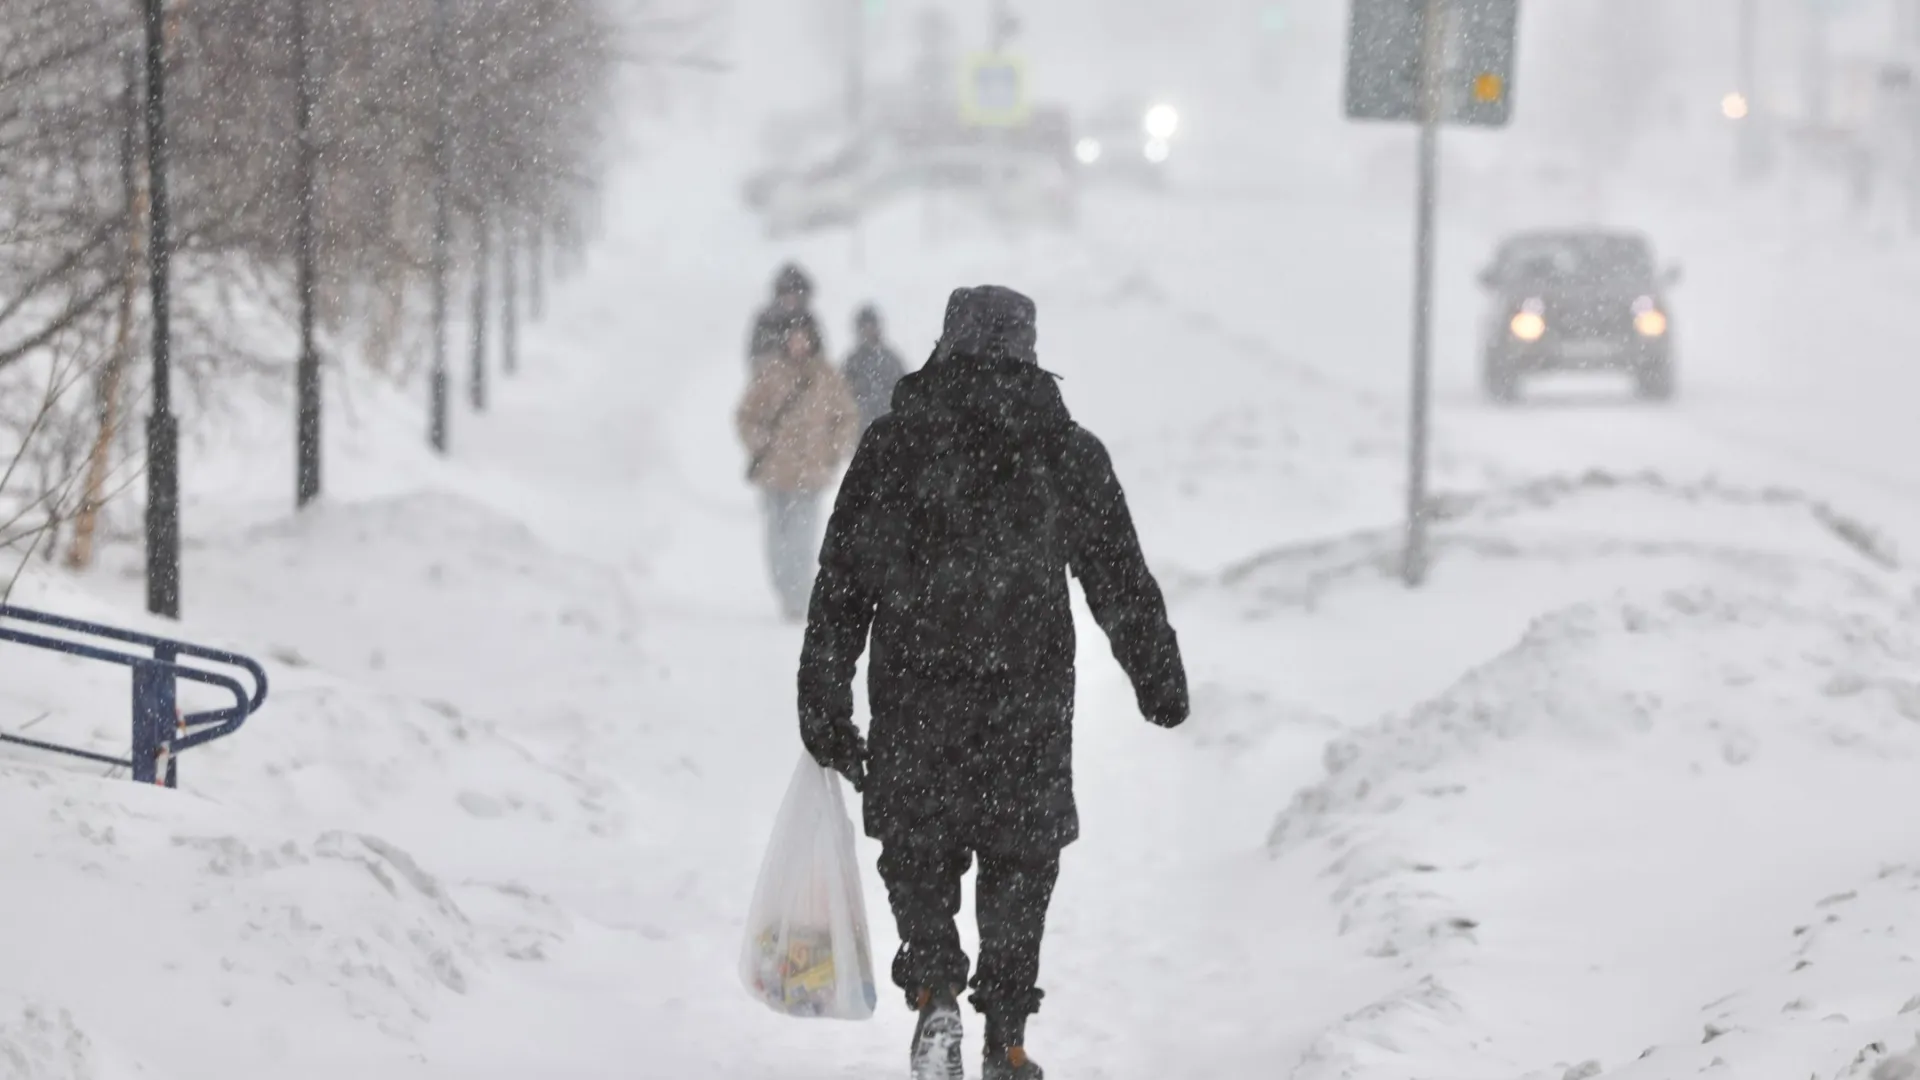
pixel 1125 599
pixel 846 418
pixel 763 338
pixel 750 419
pixel 845 596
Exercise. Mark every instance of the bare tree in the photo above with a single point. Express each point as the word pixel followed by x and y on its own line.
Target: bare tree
pixel 42 456
pixel 530 102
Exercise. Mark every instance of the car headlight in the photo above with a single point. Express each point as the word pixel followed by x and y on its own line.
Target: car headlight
pixel 1087 150
pixel 1157 150
pixel 1528 326
pixel 1648 319
pixel 1162 121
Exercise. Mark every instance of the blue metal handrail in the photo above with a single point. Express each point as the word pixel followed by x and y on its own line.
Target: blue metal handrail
pixel 160 731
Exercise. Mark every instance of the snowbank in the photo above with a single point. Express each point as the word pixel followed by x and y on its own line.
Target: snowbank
pixel 185 934
pixel 1593 835
pixel 416 810
pixel 1838 997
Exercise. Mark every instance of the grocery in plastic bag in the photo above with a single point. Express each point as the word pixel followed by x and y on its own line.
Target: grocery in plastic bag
pixel 806 951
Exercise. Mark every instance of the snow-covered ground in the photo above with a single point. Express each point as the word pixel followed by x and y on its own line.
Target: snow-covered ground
pixel 1626 790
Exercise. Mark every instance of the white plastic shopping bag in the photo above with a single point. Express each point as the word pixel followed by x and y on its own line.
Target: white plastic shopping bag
pixel 806 950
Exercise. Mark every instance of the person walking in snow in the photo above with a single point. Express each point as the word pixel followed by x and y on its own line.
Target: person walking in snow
pixel 798 424
pixel 792 293
pixel 873 368
pixel 956 527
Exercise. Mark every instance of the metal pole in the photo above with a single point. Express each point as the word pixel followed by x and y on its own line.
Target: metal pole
pixel 1748 148
pixel 857 104
pixel 155 696
pixel 1415 568
pixel 442 227
pixel 856 61
pixel 307 372
pixel 483 256
pixel 510 298
pixel 1817 71
pixel 163 431
pixel 537 271
pixel 1746 45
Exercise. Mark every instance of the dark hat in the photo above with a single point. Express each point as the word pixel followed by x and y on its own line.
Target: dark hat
pixel 868 315
pixel 792 279
pixel 990 322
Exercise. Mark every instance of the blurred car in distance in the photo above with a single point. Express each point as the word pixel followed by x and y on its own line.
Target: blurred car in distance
pixel 1127 144
pixel 1577 300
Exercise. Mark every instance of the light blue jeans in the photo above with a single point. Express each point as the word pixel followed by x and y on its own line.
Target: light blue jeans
pixel 793 547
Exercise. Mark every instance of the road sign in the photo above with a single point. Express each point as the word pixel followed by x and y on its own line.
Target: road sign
pixel 1431 63
pixel 1475 47
pixel 994 91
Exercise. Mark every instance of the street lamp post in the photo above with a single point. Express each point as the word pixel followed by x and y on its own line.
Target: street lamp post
pixel 483 257
pixel 510 296
pixel 856 91
pixel 307 371
pixel 1743 106
pixel 442 227
pixel 163 431
pixel 1005 24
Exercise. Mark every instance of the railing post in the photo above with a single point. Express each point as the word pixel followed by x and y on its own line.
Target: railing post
pixel 167 654
pixel 154 721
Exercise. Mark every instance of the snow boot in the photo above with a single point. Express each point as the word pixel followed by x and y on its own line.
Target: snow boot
pixel 936 1039
pixel 1006 1054
pixel 1011 1064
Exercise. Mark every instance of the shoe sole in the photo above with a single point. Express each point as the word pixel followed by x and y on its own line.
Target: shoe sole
pixel 936 1048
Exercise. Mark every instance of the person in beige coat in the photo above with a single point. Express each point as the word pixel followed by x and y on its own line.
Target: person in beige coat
pixel 799 424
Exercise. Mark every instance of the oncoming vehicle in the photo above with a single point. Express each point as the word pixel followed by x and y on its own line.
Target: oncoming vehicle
pixel 1578 300
pixel 1127 145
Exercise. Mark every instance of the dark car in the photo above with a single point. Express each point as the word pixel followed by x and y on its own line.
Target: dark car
pixel 1578 301
pixel 1125 145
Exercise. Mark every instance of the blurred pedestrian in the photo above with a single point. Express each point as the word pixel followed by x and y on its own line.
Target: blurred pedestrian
pixel 956 527
pixel 873 368
pixel 799 425
pixel 792 293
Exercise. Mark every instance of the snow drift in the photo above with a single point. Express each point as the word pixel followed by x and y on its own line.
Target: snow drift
pixel 1612 824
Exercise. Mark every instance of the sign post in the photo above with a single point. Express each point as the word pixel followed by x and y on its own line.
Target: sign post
pixel 1428 62
pixel 1414 568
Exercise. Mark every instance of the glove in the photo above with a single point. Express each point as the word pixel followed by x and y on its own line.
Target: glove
pixel 1165 707
pixel 839 747
pixel 1168 717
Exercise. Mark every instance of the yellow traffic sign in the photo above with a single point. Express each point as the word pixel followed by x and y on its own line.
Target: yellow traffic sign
pixel 993 91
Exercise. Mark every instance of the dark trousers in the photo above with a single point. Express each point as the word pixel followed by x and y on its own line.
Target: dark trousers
pixel 1010 898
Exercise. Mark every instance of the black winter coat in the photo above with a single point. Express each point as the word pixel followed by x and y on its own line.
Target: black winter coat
pixel 969 745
